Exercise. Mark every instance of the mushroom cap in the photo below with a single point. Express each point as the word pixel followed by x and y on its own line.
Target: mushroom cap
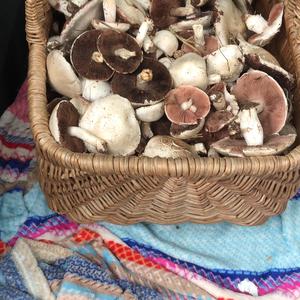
pixel 168 147
pixel 166 41
pixel 110 41
pixel 274 25
pixel 274 145
pixel 186 105
pixel 82 60
pixel 61 75
pixel 284 78
pixel 160 12
pixel 62 117
pixel 186 131
pixel 113 119
pixel 147 92
pixel 151 113
pixel 95 89
pixel 228 62
pixel 80 21
pixel 257 86
pixel 217 120
pixel 189 69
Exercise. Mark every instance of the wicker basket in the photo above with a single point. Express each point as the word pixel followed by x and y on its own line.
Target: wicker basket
pixel 126 190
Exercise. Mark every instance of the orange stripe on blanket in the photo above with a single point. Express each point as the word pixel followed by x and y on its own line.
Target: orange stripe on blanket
pixel 124 252
pixel 2 248
pixel 84 235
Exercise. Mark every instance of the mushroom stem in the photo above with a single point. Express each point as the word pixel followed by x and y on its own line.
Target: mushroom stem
pixel 124 53
pixel 93 143
pixel 251 128
pixel 256 23
pixel 145 76
pixel 182 11
pixel 148 45
pixel 97 57
pixel 188 24
pixel 110 10
pixel 146 130
pixel 199 35
pixel 143 31
pixel 218 101
pixel 101 25
pixel 188 105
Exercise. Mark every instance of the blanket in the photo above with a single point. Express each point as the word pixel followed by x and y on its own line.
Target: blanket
pixel 47 256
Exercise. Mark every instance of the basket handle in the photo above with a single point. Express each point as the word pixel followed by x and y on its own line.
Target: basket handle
pixel 37 21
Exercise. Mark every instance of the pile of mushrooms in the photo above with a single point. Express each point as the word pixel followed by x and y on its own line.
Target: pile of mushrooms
pixel 168 78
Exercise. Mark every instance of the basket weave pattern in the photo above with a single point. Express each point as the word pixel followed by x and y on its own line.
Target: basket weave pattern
pixel 126 190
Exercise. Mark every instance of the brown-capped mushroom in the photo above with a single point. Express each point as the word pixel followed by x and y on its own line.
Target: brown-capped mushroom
pixel 80 21
pixel 110 123
pixel 61 75
pixel 217 120
pixel 168 147
pixel 148 85
pixel 62 117
pixel 165 13
pixel 259 87
pixel 120 51
pixel 87 60
pixel 186 105
pixel 284 78
pixel 265 30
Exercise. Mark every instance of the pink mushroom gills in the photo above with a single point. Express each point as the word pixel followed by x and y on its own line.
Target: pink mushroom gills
pixel 260 88
pixel 186 105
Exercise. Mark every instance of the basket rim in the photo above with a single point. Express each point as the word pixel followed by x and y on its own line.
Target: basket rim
pixel 103 164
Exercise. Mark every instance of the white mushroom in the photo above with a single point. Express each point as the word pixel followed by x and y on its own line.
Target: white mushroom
pixel 101 25
pixel 251 128
pixel 199 35
pixel 110 119
pixel 150 113
pixel 148 45
pixel 95 89
pixel 166 42
pixel 62 76
pixel 256 23
pixel 129 12
pixel 168 147
pixel 145 27
pixel 80 104
pixel 188 24
pixel 110 10
pixel 190 69
pixel 228 61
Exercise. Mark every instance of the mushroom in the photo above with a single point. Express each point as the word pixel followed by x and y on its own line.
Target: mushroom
pixel 166 42
pixel 228 62
pixel 284 78
pixel 148 85
pixel 190 69
pixel 167 61
pixel 146 130
pixel 217 120
pixel 129 13
pixel 101 25
pixel 168 147
pixel 95 89
pixel 53 43
pixel 258 87
pixel 80 104
pixel 61 6
pixel 184 132
pixel 205 21
pixel 120 51
pixel 110 10
pixel 61 75
pixel 80 21
pixel 87 60
pixel 228 21
pixel 263 54
pixel 274 145
pixel 165 13
pixel 142 33
pixel 150 113
pixel 148 45
pixel 62 117
pixel 265 30
pixel 186 105
pixel 110 123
